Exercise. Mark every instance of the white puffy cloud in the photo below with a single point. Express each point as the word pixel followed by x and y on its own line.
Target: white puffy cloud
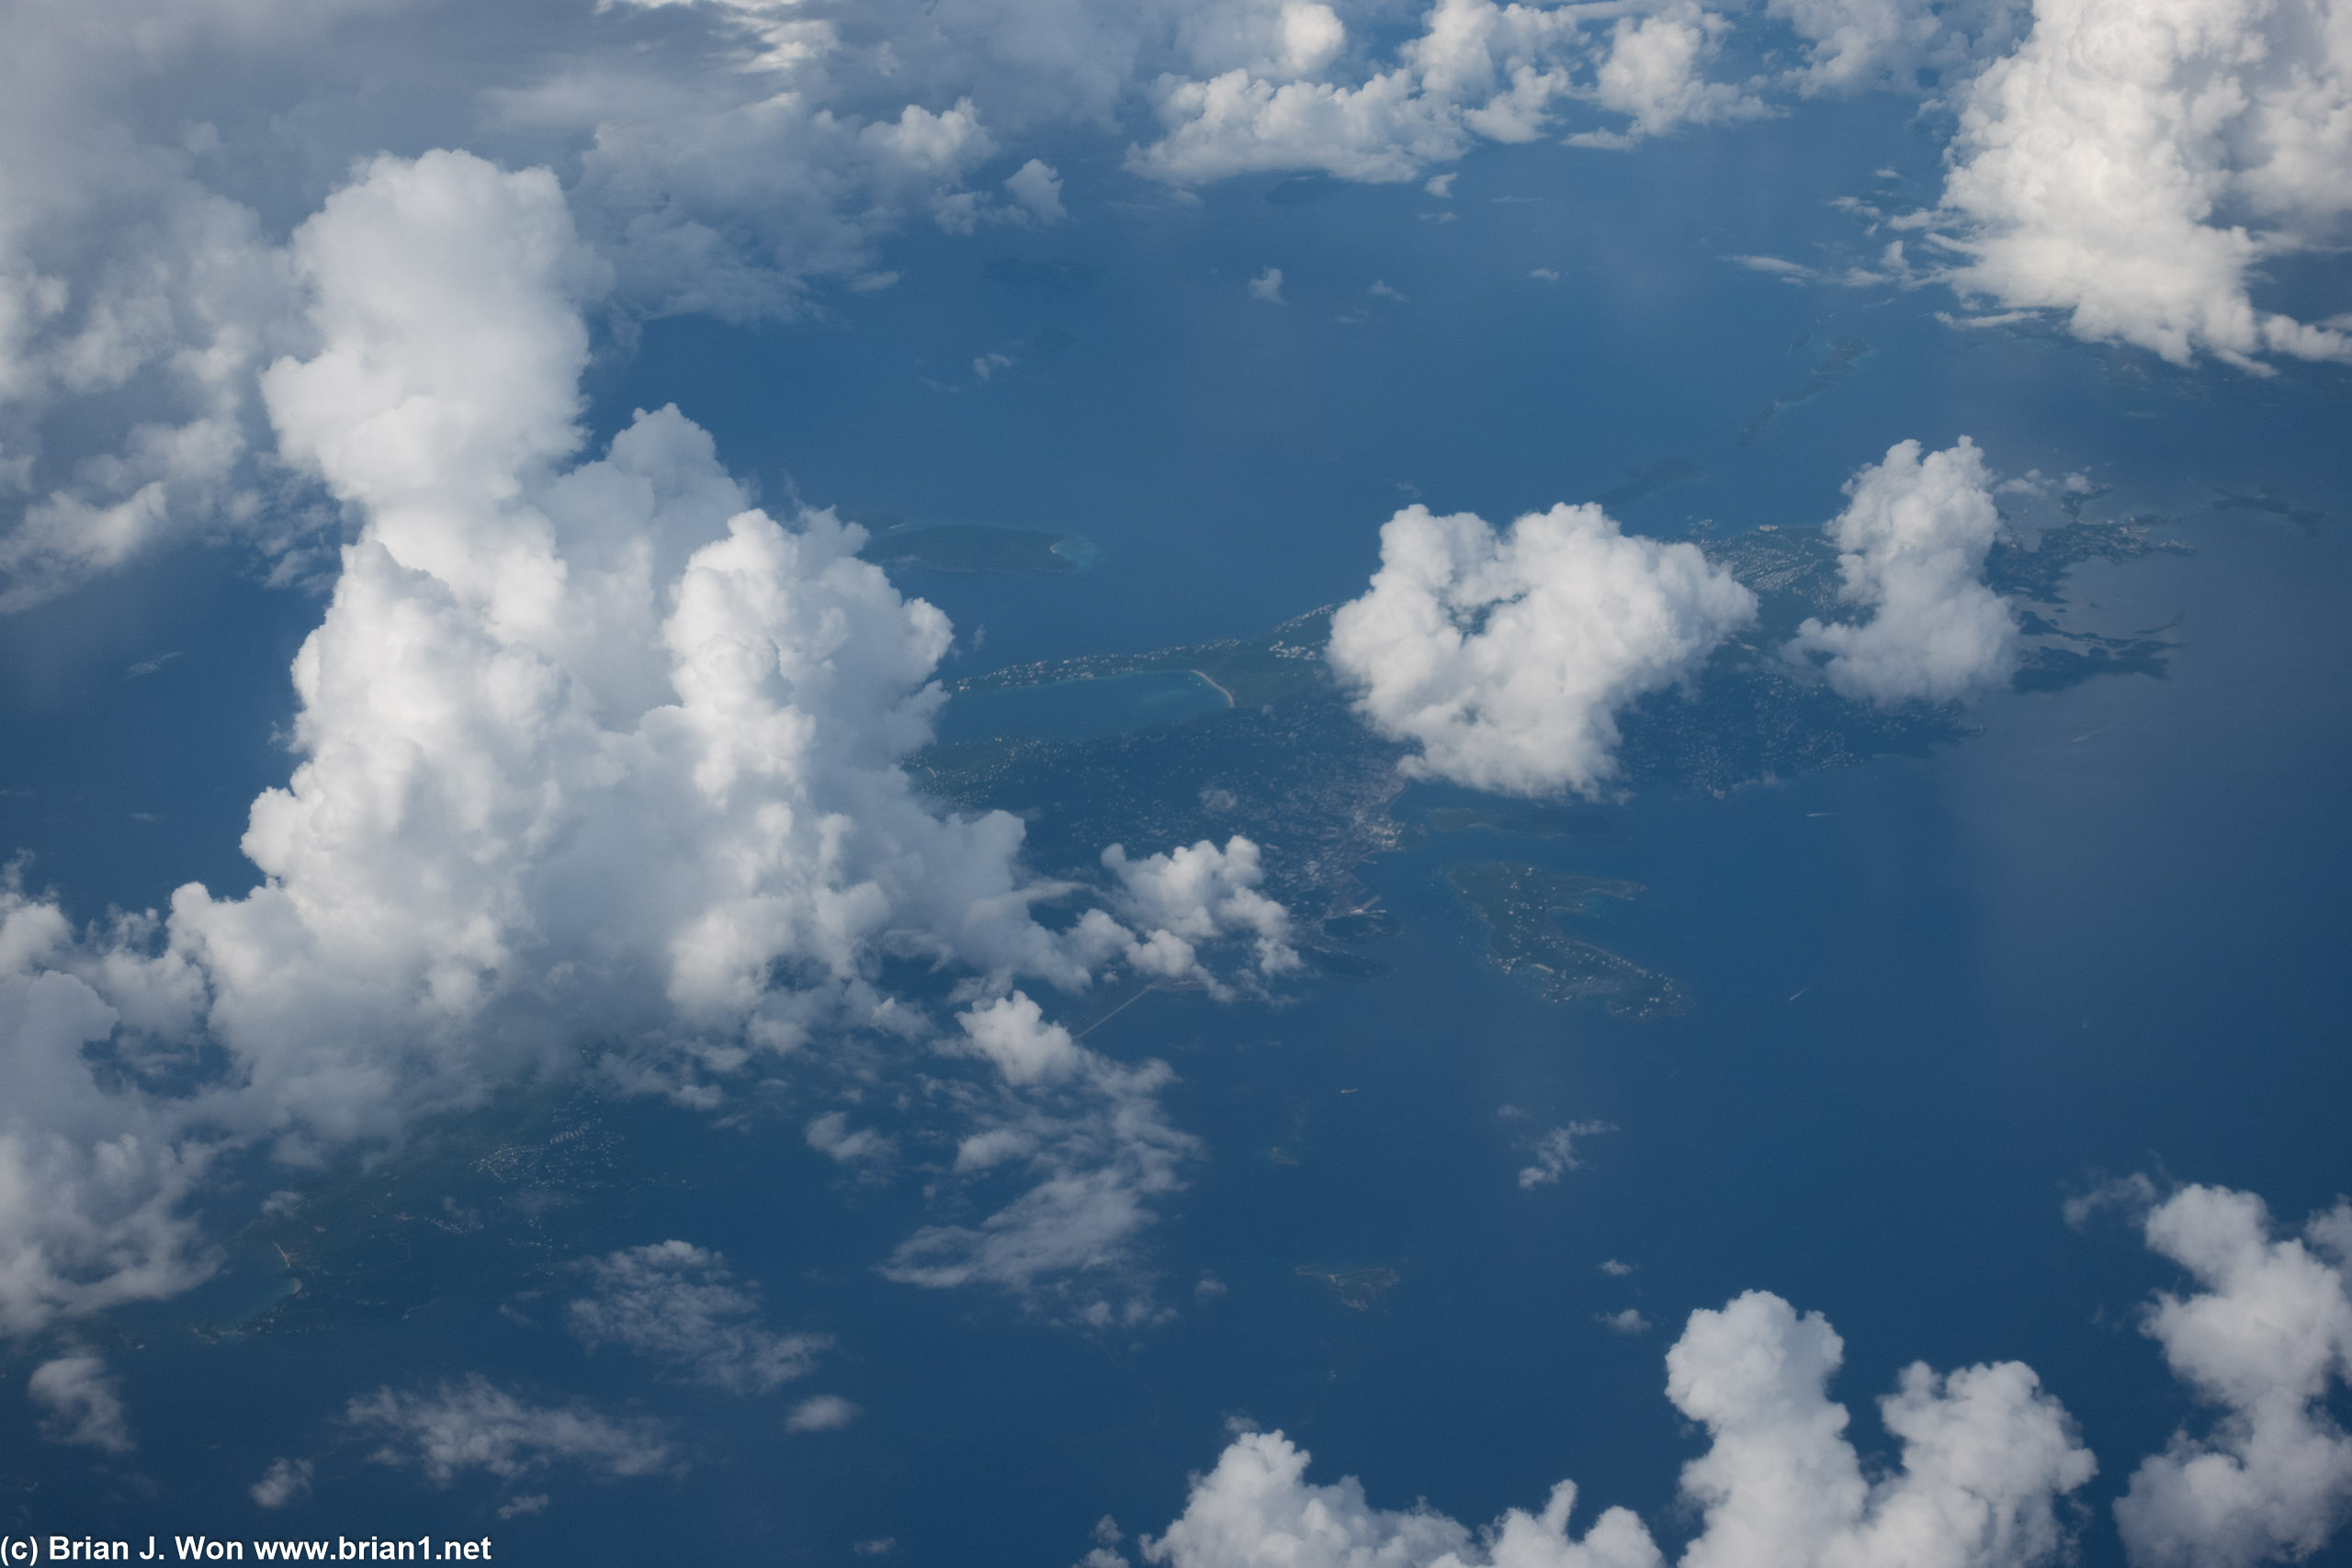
pixel 2133 163
pixel 91 1182
pixel 728 157
pixel 536 682
pixel 81 1404
pixel 473 1424
pixel 134 302
pixel 1985 1453
pixel 1013 1033
pixel 1477 70
pixel 1913 540
pixel 541 679
pixel 2264 1342
pixel 1506 657
pixel 680 1303
pixel 1038 188
pixel 1860 44
pixel 1655 74
pixel 1985 1456
pixel 1180 902
pixel 1257 1509
pixel 1281 42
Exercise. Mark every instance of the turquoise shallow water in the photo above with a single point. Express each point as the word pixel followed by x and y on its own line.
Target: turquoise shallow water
pixel 1081 710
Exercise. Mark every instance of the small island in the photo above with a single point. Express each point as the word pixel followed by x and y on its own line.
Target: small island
pixel 1357 1288
pixel 975 548
pixel 1521 906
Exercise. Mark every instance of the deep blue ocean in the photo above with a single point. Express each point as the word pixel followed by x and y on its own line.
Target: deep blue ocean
pixel 1934 998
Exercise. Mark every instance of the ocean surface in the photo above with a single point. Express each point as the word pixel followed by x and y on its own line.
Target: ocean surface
pixel 1081 710
pixel 1933 996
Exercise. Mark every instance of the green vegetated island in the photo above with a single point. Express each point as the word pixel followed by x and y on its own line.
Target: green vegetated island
pixel 1835 364
pixel 493 1203
pixel 476 1202
pixel 1290 765
pixel 1521 906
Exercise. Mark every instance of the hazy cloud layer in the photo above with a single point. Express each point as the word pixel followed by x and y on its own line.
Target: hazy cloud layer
pixel 1507 657
pixel 1061 1162
pixel 680 1305
pixel 726 158
pixel 2129 164
pixel 474 1425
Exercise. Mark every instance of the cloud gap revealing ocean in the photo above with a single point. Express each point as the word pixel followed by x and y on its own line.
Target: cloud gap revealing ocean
pixel 1206 784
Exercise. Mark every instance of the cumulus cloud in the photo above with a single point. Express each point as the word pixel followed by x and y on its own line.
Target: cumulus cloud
pixel 1985 1453
pixel 91 1182
pixel 679 1303
pixel 1286 41
pixel 1864 43
pixel 1655 74
pixel 1039 190
pixel 81 1404
pixel 134 306
pixel 1478 70
pixel 474 1425
pixel 1985 1456
pixel 1913 537
pixel 1268 286
pixel 1506 657
pixel 1180 902
pixel 731 158
pixel 2264 1342
pixel 1013 1033
pixel 2131 164
pixel 542 675
pixel 1257 1509
pixel 524 665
